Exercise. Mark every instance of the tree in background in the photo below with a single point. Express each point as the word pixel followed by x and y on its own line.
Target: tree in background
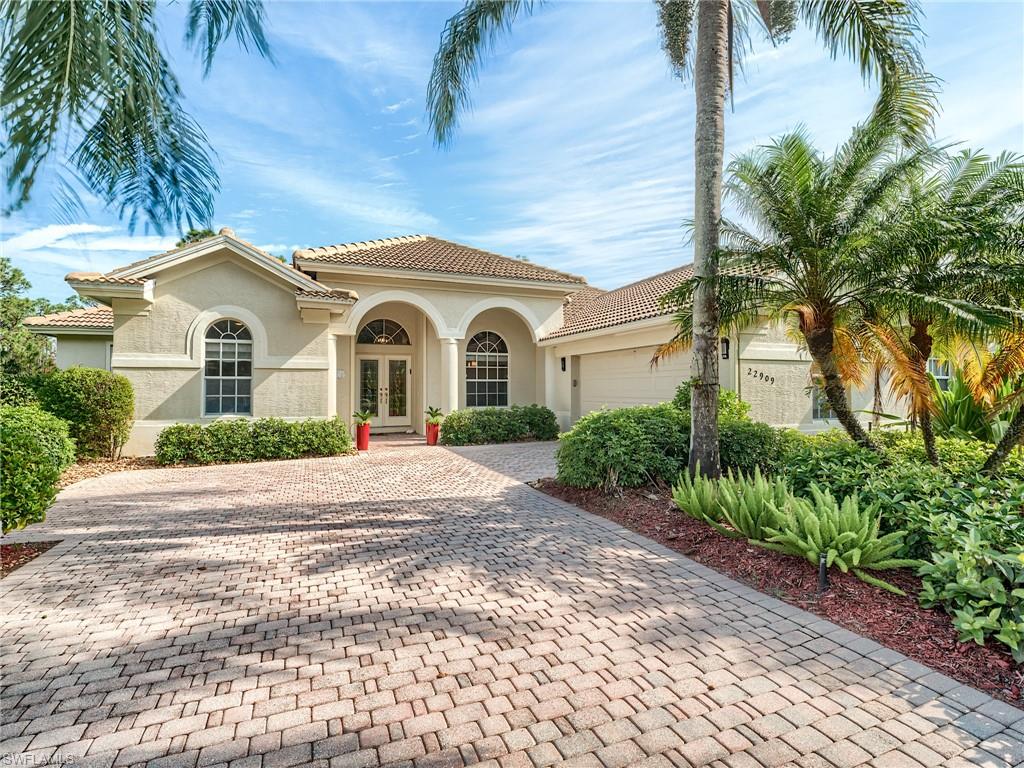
pixel 956 263
pixel 24 354
pixel 194 236
pixel 91 75
pixel 881 36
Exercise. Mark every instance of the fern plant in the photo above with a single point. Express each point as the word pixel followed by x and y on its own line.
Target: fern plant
pixel 698 497
pixel 846 533
pixel 749 505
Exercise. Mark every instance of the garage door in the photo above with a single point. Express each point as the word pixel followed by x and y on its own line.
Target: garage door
pixel 624 377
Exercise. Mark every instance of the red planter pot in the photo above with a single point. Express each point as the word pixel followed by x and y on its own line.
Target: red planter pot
pixel 362 437
pixel 433 430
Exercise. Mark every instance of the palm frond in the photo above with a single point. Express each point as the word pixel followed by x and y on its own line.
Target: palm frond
pixel 466 37
pixel 210 22
pixel 90 75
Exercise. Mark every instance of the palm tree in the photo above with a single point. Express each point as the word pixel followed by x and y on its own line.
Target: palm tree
pixel 810 256
pixel 993 374
pixel 881 36
pixel 955 261
pixel 91 75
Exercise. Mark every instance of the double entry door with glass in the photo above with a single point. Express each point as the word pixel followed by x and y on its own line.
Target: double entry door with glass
pixel 384 389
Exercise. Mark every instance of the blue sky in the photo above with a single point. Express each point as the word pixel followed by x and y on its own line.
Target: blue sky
pixel 578 153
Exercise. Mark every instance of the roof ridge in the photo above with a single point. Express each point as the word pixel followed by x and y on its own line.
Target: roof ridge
pixel 362 245
pixel 649 278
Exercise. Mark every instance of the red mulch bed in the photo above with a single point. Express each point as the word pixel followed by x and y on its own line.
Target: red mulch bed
pixel 13 556
pixel 925 635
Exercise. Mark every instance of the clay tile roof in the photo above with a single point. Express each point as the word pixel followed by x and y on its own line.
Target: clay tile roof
pixel 90 317
pixel 423 253
pixel 339 294
pixel 636 301
pixel 96 277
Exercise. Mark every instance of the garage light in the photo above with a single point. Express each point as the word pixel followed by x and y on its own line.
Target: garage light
pixel 725 348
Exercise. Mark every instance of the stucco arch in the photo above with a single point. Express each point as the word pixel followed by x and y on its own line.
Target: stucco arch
pixel 197 331
pixel 364 305
pixel 515 306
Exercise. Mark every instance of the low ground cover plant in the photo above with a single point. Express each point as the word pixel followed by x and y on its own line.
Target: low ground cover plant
pixel 477 426
pixel 97 405
pixel 34 449
pixel 233 440
pixel 768 514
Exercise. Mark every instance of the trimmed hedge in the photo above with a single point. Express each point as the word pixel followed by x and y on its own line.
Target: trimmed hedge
pixel 98 406
pixel 34 449
pixel 629 447
pixel 477 426
pixel 233 440
pixel 625 447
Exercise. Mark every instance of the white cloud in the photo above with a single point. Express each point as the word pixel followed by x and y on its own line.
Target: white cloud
pixel 74 247
pixel 390 109
pixel 49 235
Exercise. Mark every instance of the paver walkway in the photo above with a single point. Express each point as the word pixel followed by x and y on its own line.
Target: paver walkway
pixel 414 606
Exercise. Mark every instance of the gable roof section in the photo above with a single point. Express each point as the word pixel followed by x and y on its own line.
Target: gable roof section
pixel 422 253
pixel 88 319
pixel 637 301
pixel 225 239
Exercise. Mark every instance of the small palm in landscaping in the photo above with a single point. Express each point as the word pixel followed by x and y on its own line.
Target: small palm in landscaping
pixel 846 533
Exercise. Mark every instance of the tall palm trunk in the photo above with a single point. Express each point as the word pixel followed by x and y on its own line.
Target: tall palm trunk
pixel 711 77
pixel 876 401
pixel 921 340
pixel 1013 437
pixel 820 343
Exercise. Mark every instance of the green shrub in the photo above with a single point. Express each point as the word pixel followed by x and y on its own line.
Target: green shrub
pixel 183 443
pixel 697 497
pixel 978 583
pixel 34 449
pixel 477 426
pixel 97 405
pixel 625 447
pixel 747 446
pixel 17 391
pixel 233 440
pixel 730 407
pixel 957 456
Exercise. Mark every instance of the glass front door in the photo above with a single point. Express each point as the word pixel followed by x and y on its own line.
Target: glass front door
pixel 398 390
pixel 387 399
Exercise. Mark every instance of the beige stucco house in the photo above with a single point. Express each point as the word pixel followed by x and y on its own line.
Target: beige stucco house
pixel 221 329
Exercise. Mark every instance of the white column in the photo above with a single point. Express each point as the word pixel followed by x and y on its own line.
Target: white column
pixel 332 375
pixel 450 374
pixel 550 378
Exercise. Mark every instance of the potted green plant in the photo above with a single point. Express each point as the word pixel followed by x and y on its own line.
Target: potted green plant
pixel 434 419
pixel 362 419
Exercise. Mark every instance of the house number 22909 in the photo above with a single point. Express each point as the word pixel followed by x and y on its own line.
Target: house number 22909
pixel 761 376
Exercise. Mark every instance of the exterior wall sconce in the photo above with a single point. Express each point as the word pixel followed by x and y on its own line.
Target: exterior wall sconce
pixel 725 347
pixel 563 365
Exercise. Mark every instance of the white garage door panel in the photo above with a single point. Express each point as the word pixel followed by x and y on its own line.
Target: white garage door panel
pixel 625 377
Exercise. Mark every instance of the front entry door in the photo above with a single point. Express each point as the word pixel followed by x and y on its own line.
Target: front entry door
pixel 384 383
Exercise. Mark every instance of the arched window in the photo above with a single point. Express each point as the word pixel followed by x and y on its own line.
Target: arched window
pixel 227 375
pixel 486 370
pixel 383 332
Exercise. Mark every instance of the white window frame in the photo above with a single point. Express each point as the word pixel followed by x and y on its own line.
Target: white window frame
pixel 941 370
pixel 506 381
pixel 207 378
pixel 820 401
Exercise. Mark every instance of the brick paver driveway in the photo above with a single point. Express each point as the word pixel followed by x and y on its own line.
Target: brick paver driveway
pixel 414 606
